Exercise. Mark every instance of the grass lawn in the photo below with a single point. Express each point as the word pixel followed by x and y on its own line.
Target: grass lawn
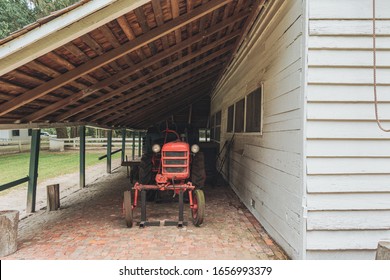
pixel 51 164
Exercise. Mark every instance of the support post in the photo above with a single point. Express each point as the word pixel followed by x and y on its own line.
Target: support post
pixel 82 156
pixel 109 145
pixel 133 148
pixel 53 197
pixel 33 171
pixel 123 154
pixel 143 208
pixel 181 209
pixel 139 144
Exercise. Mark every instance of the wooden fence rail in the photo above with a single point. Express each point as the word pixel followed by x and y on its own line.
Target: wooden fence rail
pixel 17 146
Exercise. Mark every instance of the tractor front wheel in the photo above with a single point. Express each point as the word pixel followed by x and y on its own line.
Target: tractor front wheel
pixel 145 175
pixel 198 172
pixel 128 209
pixel 198 209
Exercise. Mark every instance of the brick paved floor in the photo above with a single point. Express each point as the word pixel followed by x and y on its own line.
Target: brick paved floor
pixel 90 225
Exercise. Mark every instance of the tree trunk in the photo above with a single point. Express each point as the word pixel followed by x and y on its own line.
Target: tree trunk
pixel 62 132
pixel 74 132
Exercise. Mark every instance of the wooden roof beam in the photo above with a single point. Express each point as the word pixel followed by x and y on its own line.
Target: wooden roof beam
pixel 142 93
pixel 133 117
pixel 62 30
pixel 133 84
pixel 110 56
pixel 175 14
pixel 156 4
pixel 155 108
pixel 185 82
pixel 122 101
pixel 124 24
pixel 196 94
pixel 127 72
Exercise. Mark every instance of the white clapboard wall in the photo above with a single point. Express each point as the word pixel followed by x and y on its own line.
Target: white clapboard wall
pixel 268 168
pixel 348 157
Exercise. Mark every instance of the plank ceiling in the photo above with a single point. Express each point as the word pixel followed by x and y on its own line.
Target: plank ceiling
pixel 133 71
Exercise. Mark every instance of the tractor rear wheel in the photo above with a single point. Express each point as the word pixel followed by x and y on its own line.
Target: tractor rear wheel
pixel 128 208
pixel 198 172
pixel 198 209
pixel 145 175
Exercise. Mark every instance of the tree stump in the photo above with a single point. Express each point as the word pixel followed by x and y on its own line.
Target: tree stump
pixel 383 250
pixel 53 197
pixel 9 220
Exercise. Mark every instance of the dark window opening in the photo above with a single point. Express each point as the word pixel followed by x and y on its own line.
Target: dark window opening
pixel 218 118
pixel 239 121
pixel 212 126
pixel 230 119
pixel 16 132
pixel 253 111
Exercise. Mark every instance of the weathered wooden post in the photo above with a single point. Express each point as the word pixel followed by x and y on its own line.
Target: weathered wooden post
pixel 53 197
pixel 33 170
pixel 383 250
pixel 8 232
pixel 133 147
pixel 123 145
pixel 82 156
pixel 139 143
pixel 109 145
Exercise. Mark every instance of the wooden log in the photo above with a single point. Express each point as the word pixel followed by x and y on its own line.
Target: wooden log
pixel 9 220
pixel 383 250
pixel 53 197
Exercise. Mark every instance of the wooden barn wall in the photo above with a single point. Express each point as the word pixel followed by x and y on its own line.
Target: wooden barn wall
pixel 268 168
pixel 348 156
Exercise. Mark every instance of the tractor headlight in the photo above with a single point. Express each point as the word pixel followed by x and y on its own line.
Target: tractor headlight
pixel 156 148
pixel 195 148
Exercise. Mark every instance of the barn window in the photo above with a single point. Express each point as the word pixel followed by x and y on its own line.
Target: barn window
pixel 217 132
pixel 215 127
pixel 16 132
pixel 212 127
pixel 253 111
pixel 239 116
pixel 230 119
pixel 204 135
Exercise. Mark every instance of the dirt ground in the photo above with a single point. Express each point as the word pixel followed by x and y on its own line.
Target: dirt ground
pixel 16 198
pixel 90 225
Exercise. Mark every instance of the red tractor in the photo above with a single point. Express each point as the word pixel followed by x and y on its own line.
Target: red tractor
pixel 172 164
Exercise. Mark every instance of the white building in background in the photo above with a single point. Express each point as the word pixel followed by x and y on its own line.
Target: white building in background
pixel 15 134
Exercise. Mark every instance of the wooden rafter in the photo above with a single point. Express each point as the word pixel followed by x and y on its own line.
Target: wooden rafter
pixel 195 95
pixel 140 66
pixel 74 97
pixel 145 94
pixel 122 101
pixel 103 59
pixel 155 105
pixel 200 88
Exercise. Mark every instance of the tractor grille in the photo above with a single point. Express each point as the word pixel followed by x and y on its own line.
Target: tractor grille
pixel 175 154
pixel 175 162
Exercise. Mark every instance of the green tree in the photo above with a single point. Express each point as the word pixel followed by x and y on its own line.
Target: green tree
pixel 15 14
pixel 43 8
